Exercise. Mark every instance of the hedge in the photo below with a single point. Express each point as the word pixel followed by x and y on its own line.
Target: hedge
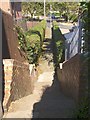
pixel 58 39
pixel 31 41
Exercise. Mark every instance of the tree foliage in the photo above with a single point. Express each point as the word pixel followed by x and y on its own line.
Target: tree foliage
pixel 85 20
pixel 37 8
pixel 32 8
pixel 83 109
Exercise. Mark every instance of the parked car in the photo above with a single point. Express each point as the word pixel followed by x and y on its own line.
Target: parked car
pixel 50 17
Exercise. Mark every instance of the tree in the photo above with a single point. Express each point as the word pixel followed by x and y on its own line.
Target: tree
pixel 33 8
pixel 86 21
pixel 70 9
pixel 28 8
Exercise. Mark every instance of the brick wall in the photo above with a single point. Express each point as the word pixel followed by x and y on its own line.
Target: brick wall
pixel 18 80
pixel 10 43
pixel 21 23
pixel 70 77
pixel 31 24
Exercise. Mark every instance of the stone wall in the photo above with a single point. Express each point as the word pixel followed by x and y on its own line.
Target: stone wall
pixel 70 77
pixel 18 80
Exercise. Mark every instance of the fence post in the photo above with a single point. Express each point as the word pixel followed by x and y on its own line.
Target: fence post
pixel 80 36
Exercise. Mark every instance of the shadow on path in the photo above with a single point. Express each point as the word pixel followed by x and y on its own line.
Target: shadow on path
pixel 53 103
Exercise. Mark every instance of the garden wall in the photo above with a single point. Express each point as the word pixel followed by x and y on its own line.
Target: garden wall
pixel 10 44
pixel 31 24
pixel 72 82
pixel 21 23
pixel 18 80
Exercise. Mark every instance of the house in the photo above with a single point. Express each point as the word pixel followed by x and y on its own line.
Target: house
pixel 13 8
pixel 5 6
pixel 16 10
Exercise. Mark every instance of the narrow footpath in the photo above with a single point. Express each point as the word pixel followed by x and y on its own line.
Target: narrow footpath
pixel 47 101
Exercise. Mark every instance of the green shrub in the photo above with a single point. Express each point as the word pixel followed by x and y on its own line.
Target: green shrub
pixel 34 40
pixel 59 42
pixel 21 38
pixel 73 17
pixel 82 111
pixel 31 41
pixel 33 47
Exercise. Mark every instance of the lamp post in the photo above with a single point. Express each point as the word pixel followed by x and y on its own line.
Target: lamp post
pixel 50 21
pixel 44 10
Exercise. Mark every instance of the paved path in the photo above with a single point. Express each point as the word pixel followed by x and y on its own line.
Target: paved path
pixel 47 101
